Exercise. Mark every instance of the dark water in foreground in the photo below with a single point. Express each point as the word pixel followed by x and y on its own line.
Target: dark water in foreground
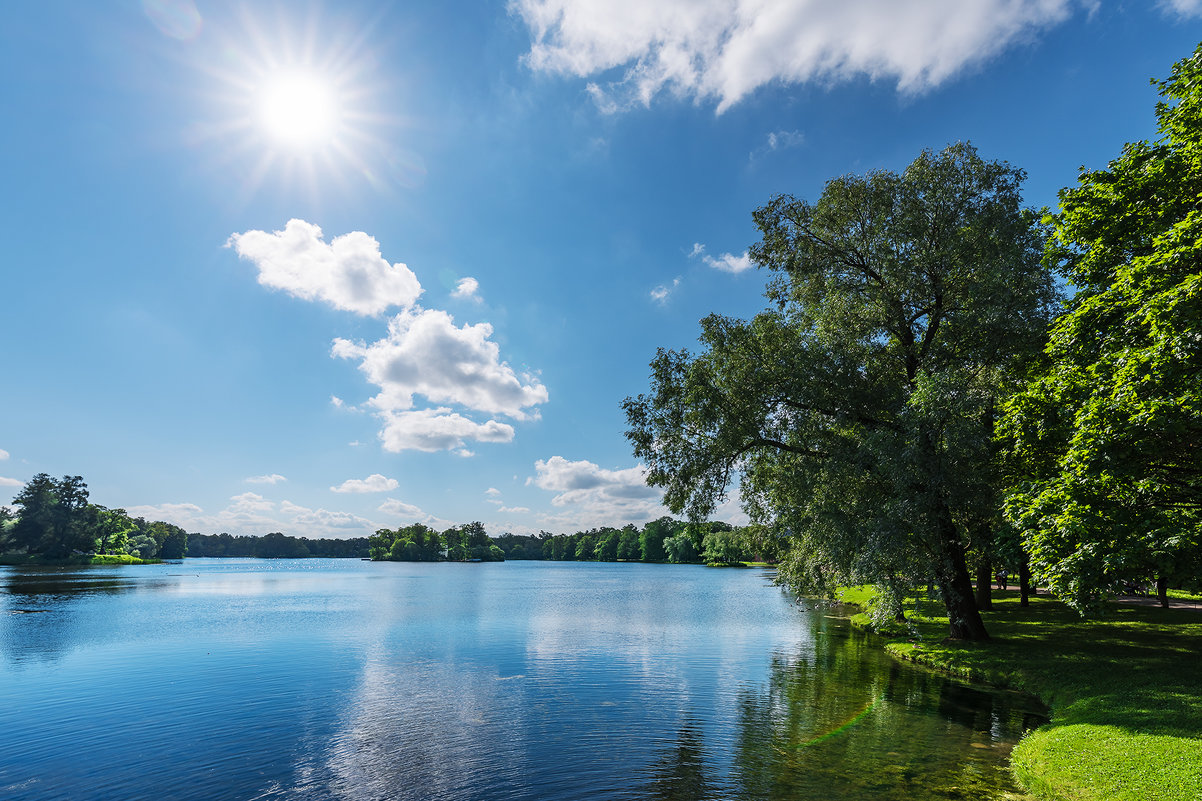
pixel 336 679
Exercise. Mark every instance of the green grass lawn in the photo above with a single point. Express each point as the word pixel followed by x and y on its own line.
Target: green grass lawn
pixel 1125 692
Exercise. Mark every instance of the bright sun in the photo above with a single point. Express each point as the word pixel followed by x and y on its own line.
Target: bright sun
pixel 298 110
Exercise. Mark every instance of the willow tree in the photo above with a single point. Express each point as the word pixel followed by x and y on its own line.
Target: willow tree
pixel 857 412
pixel 1108 440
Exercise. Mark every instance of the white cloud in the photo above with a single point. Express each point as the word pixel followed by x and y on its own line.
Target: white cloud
pixel 466 289
pixel 783 140
pixel 492 492
pixel 727 262
pixel 373 483
pixel 592 495
pixel 723 50
pixel 423 354
pixel 323 520
pixel 11 482
pixel 274 478
pixel 437 430
pixel 397 508
pixel 516 510
pixel 426 354
pixel 1186 8
pixel 181 514
pixel 3 454
pixel 660 293
pixel 250 513
pixel 777 140
pixel 348 273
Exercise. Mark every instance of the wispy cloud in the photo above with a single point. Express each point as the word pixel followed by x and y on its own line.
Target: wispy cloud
pixel 726 262
pixel 723 50
pixel 776 141
pixel 11 482
pixel 274 478
pixel 662 292
pixel 397 508
pixel 1185 8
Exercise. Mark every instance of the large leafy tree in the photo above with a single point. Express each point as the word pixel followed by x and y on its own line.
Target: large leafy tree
pixel 54 517
pixel 859 411
pixel 1106 443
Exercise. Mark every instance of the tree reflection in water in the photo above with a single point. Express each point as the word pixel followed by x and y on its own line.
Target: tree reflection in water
pixel 847 722
pixel 680 774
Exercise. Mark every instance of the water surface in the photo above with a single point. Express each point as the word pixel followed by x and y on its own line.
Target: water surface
pixel 342 679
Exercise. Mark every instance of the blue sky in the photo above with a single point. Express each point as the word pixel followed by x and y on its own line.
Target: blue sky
pixel 321 268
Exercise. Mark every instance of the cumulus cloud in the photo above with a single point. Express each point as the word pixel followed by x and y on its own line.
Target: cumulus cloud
pixel 3 454
pixel 437 430
pixel 348 272
pixel 11 482
pixel 590 493
pixel 723 50
pixel 660 293
pixel 274 478
pixel 373 483
pixel 516 510
pixel 426 354
pixel 466 289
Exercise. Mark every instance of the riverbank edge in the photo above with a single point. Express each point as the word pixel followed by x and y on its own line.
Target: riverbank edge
pixel 1058 761
pixel 23 560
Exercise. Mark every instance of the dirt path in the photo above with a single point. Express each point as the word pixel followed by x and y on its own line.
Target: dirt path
pixel 1151 600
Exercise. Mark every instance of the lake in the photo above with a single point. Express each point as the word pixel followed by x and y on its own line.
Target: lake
pixel 342 679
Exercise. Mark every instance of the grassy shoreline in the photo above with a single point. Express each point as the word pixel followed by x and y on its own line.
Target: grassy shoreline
pixel 24 560
pixel 1125 691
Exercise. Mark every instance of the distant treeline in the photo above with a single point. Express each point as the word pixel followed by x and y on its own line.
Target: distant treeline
pixel 274 546
pixel 662 540
pixel 55 521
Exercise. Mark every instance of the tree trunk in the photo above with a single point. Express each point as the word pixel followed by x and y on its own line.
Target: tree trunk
pixel 984 584
pixel 1162 591
pixel 955 585
pixel 1024 579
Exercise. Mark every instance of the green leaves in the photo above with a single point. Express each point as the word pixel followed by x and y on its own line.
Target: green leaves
pixel 1109 436
pixel 857 414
